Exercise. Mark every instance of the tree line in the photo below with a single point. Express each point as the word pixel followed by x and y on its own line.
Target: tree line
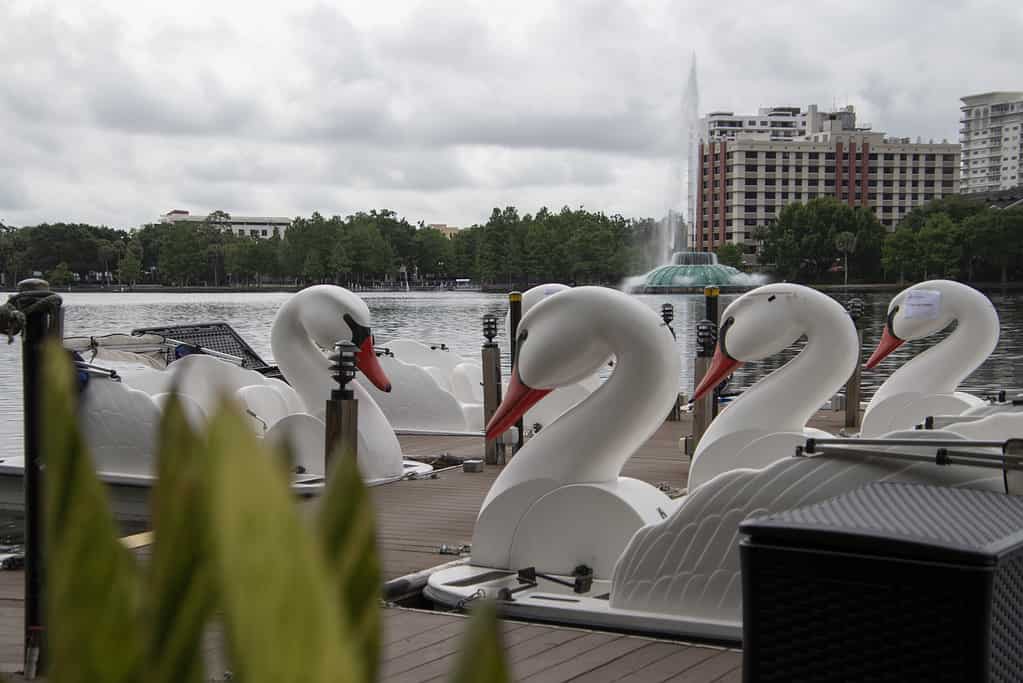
pixel 955 237
pixel 365 248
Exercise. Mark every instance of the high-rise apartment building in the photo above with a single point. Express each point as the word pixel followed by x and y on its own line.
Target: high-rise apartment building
pixel 744 180
pixel 991 134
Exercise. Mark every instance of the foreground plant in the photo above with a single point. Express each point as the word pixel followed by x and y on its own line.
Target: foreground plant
pixel 298 602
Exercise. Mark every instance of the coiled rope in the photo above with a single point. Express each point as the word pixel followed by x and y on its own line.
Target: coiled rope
pixel 14 312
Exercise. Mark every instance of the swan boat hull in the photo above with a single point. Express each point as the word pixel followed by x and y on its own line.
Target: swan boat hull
pixel 550 602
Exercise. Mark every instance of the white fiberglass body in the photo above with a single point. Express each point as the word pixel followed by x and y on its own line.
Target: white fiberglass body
pixel 658 565
pixel 927 385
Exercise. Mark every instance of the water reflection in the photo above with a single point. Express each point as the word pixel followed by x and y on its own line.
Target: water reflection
pixel 454 319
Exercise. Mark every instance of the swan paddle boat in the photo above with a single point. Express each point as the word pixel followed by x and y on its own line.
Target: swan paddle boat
pixel 562 537
pixel 439 391
pixel 122 399
pixel 927 384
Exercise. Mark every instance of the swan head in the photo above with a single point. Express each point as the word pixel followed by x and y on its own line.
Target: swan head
pixel 757 325
pixel 915 313
pixel 331 314
pixel 556 346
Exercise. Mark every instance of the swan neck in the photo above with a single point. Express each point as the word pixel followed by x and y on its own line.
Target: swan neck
pixel 941 368
pixel 787 398
pixel 300 360
pixel 592 441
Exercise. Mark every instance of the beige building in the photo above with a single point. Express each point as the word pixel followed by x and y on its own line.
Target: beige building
pixel 250 226
pixel 744 181
pixel 448 231
pixel 991 134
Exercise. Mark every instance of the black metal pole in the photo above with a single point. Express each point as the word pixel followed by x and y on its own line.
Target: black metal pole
pixel 41 322
pixel 494 451
pixel 341 434
pixel 710 296
pixel 706 340
pixel 514 316
pixel 852 386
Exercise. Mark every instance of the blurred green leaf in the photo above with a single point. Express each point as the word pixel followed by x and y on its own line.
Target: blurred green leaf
pixel 482 656
pixel 348 531
pixel 280 613
pixel 93 587
pixel 180 582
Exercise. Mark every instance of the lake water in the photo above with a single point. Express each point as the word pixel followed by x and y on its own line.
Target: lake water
pixel 453 318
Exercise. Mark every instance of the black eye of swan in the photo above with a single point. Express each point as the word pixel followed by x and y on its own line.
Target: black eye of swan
pixel 891 321
pixel 360 333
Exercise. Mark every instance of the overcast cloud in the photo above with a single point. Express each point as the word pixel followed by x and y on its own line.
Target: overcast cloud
pixel 114 112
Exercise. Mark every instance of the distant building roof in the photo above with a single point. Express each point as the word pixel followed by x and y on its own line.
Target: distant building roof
pixel 1000 199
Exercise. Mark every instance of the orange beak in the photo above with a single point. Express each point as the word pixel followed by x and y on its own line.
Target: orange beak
pixel 517 401
pixel 721 366
pixel 366 361
pixel 889 342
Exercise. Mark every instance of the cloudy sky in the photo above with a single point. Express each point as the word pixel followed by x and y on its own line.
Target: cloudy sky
pixel 116 111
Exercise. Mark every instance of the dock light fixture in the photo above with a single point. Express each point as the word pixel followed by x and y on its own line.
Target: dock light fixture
pixel 856 307
pixel 490 327
pixel 343 369
pixel 706 338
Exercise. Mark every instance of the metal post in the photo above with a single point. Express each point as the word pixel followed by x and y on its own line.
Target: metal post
pixel 514 316
pixel 710 299
pixel 668 315
pixel 342 415
pixel 494 453
pixel 852 386
pixel 36 313
pixel 706 340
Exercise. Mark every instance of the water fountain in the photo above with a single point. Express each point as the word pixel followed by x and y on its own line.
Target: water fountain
pixel 691 271
pixel 687 271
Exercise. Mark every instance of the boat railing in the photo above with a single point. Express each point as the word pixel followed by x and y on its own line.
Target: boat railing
pixel 1006 455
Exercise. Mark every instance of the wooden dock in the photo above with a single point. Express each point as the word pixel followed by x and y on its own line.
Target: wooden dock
pixel 415 518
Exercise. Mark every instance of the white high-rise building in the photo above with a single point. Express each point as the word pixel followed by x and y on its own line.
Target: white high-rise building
pixel 992 141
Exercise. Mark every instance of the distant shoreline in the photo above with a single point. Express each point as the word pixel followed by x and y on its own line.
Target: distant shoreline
pixel 487 289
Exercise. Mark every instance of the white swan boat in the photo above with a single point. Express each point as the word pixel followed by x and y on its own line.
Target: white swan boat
pixel 928 384
pixel 439 391
pixel 129 380
pixel 563 537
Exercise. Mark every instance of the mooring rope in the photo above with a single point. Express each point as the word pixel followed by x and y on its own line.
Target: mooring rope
pixel 12 321
pixel 13 314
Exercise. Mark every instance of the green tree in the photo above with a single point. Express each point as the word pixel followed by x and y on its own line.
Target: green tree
pixel 845 242
pixel 730 255
pixel 129 267
pixel 900 254
pixel 994 236
pixel 800 244
pixel 434 254
pixel 940 242
pixel 465 252
pixel 60 275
